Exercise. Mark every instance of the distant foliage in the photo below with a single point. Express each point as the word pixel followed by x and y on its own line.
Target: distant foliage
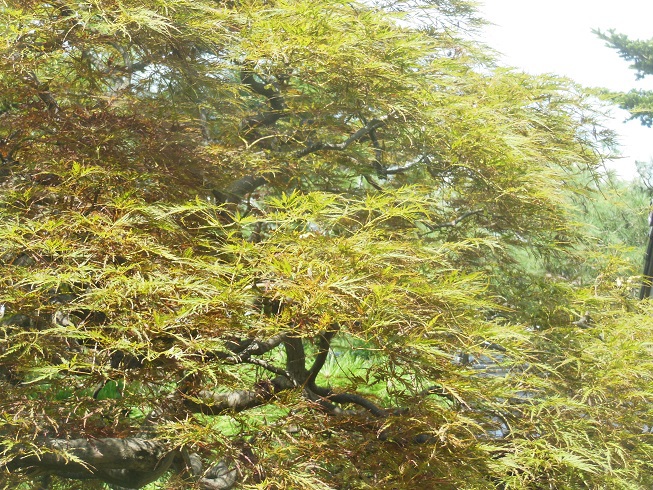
pixel 640 53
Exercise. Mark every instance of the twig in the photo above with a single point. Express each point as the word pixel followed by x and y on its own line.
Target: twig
pixel 269 367
pixel 455 222
pixel 357 135
pixel 370 181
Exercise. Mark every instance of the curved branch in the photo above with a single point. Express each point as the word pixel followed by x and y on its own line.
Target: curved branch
pixel 277 104
pixel 324 343
pixel 129 462
pixel 356 136
pixel 215 403
pixel 238 189
pixel 359 400
pixel 219 477
pixel 257 348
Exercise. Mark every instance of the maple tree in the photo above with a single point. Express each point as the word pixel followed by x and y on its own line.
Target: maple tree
pixel 277 244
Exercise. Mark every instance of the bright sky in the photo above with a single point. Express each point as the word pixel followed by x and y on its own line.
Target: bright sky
pixel 556 36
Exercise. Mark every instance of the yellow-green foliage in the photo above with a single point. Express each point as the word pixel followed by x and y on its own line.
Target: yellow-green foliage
pixel 179 176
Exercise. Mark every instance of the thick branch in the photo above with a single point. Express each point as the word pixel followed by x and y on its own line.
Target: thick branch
pixel 214 403
pixel 240 188
pixel 381 171
pixel 275 100
pixel 405 168
pixel 296 360
pixel 43 92
pixel 324 343
pixel 130 462
pixel 359 400
pixel 219 477
pixel 257 348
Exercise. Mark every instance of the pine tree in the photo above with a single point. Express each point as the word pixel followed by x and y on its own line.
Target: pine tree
pixel 640 54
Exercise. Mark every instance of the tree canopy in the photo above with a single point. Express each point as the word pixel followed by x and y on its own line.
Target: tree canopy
pixel 640 54
pixel 282 244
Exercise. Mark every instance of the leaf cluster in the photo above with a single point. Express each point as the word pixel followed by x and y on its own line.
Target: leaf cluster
pixel 301 244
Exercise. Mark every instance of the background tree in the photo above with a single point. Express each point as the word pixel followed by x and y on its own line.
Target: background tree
pixel 639 103
pixel 640 54
pixel 276 244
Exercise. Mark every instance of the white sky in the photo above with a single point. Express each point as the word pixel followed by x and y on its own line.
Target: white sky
pixel 555 36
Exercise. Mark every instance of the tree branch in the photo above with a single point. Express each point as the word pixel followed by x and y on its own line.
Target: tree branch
pixel 274 97
pixel 370 181
pixel 214 403
pixel 219 477
pixel 129 462
pixel 455 222
pixel 257 348
pixel 381 171
pixel 240 188
pixel 324 344
pixel 330 396
pixel 296 360
pixel 268 366
pixel 42 91
pixel 357 135
pixel 405 168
